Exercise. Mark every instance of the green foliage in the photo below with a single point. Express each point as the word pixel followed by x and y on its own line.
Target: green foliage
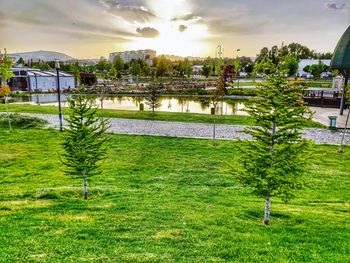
pixel 135 68
pixel 118 63
pixel 218 64
pixel 274 163
pixel 163 66
pixel 22 121
pixel 317 69
pixel 113 73
pixel 290 64
pixel 84 139
pixel 185 68
pixel 21 61
pixel 266 66
pixel 163 199
pixel 5 69
pixel 103 65
pixel 207 70
pixel 153 98
pixel 42 66
pixel 278 54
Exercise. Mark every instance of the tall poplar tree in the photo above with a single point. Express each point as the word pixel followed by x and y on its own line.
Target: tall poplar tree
pixel 274 163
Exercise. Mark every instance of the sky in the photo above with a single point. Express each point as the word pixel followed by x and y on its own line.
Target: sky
pixel 94 28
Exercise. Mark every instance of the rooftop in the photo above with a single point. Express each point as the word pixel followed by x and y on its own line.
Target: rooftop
pixel 341 57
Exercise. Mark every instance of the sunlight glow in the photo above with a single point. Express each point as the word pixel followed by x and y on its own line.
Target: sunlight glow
pixel 190 42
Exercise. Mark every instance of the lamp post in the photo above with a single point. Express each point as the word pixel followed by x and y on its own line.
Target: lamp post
pixel 57 66
pixel 238 63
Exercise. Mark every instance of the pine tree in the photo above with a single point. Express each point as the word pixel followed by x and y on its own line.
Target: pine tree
pixel 84 139
pixel 217 95
pixel 274 163
pixel 153 98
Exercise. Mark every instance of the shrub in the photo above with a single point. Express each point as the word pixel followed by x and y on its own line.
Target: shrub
pixel 22 121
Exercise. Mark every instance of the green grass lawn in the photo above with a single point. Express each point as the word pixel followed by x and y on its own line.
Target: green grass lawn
pixel 146 115
pixel 163 200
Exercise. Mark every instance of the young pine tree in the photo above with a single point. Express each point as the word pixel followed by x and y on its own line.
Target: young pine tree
pixel 84 139
pixel 217 95
pixel 275 161
pixel 153 98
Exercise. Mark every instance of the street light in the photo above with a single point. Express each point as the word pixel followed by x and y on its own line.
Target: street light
pixel 57 66
pixel 238 67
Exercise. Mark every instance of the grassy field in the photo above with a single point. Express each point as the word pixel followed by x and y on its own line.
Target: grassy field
pixel 145 115
pixel 163 200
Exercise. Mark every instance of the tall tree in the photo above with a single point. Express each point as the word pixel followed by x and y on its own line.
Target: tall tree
pixel 290 64
pixel 135 68
pixel 163 66
pixel 118 63
pixel 102 65
pixel 113 73
pixel 84 139
pixel 5 74
pixel 274 163
pixel 206 70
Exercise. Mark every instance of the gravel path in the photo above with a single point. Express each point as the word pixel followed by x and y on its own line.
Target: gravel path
pixel 196 130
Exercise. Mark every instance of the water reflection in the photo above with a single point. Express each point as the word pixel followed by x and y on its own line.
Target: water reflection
pixel 168 104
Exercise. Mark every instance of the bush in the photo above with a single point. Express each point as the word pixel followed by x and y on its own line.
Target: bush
pixel 22 121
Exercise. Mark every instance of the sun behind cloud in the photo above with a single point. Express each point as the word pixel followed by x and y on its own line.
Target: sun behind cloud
pixel 175 35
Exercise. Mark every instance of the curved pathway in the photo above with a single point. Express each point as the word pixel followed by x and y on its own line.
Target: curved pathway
pixel 197 130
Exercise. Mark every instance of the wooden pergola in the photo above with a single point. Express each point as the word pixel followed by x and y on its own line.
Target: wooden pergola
pixel 341 62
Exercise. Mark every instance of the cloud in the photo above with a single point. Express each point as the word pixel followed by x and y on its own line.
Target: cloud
pixel 187 17
pixel 182 28
pixel 131 13
pixel 148 32
pixel 334 5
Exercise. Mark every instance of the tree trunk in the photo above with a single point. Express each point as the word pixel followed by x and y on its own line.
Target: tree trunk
pixel 268 198
pixel 267 210
pixel 214 132
pixel 85 186
pixel 7 112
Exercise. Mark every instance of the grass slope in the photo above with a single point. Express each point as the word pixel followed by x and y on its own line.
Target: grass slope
pixel 145 115
pixel 163 200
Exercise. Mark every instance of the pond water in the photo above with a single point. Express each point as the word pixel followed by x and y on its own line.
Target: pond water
pixel 200 105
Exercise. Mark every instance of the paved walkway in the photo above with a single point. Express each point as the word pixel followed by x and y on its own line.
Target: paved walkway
pixel 196 130
pixel 322 114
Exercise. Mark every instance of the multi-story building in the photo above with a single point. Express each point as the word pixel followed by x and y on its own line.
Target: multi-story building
pixel 145 55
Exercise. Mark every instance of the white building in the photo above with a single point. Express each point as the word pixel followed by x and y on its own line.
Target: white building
pixel 145 55
pixel 309 62
pixel 28 79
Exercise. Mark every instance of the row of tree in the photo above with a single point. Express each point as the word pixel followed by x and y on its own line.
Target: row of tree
pixel 267 61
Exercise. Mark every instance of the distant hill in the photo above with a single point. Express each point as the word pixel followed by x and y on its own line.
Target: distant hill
pixel 43 55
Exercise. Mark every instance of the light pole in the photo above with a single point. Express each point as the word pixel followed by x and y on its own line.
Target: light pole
pixel 57 66
pixel 238 66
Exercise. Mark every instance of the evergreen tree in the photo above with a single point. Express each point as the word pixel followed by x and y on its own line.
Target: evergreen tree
pixel 153 98
pixel 274 162
pixel 84 139
pixel 217 95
